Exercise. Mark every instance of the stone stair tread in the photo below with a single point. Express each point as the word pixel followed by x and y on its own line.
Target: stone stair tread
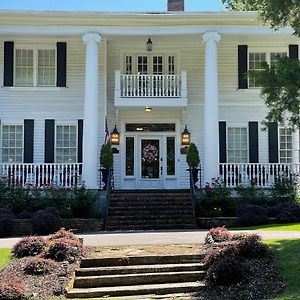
pixel 138 268
pixel 164 288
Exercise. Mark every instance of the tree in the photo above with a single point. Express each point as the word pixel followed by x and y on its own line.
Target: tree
pixel 281 92
pixel 279 13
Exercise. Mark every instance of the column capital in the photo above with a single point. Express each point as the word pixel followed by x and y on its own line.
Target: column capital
pixel 91 36
pixel 211 36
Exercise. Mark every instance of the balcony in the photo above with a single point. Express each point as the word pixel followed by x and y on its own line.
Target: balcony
pixel 263 175
pixel 150 90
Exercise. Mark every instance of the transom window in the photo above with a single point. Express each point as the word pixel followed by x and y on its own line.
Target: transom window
pixel 256 60
pixel 285 145
pixel 35 67
pixel 237 145
pixel 12 143
pixel 156 64
pixel 66 143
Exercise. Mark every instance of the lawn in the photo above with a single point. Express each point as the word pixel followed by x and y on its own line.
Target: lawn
pixel 287 255
pixel 5 256
pixel 274 227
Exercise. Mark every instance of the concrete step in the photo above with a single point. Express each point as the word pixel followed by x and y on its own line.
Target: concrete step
pixel 137 279
pixel 140 260
pixel 139 269
pixel 157 289
pixel 129 228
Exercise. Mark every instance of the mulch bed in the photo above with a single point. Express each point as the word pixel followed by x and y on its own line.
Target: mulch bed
pixel 39 286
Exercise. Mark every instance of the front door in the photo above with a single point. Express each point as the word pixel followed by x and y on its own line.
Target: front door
pixel 150 163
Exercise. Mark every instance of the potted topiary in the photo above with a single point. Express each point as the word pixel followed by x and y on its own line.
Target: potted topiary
pixel 106 162
pixel 193 161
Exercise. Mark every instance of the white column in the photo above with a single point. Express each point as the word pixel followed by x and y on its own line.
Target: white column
pixel 211 107
pixel 90 123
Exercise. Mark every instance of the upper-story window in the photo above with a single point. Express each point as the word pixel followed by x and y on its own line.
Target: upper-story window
pixel 35 67
pixel 12 143
pixel 156 64
pixel 256 60
pixel 66 143
pixel 237 144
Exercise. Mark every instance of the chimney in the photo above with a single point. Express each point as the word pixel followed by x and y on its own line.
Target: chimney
pixel 175 5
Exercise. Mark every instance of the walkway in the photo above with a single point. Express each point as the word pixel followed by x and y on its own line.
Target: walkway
pixel 156 237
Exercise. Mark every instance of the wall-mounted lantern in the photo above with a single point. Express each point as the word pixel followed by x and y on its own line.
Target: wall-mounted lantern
pixel 148 109
pixel 115 137
pixel 185 137
pixel 149 45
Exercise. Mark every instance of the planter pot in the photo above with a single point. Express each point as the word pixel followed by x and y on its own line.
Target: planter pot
pixel 105 173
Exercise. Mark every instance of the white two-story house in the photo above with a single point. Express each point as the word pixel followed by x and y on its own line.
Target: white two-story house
pixel 65 75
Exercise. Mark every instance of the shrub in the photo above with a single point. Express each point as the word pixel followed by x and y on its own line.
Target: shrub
pixel 29 246
pixel 40 266
pixel 226 271
pixel 25 215
pixel 83 203
pixel 251 215
pixel 252 195
pixel 64 250
pixel 7 222
pixel 284 190
pixel 12 289
pixel 218 234
pixel 288 212
pixel 250 246
pixel 62 233
pixel 46 221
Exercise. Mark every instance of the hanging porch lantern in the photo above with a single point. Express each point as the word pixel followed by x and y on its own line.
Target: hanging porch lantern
pixel 149 45
pixel 185 137
pixel 115 137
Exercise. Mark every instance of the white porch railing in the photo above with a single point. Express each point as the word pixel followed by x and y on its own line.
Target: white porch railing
pixel 151 86
pixel 62 175
pixel 263 175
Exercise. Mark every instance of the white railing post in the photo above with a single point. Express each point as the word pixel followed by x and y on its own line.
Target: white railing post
pixel 118 84
pixel 183 84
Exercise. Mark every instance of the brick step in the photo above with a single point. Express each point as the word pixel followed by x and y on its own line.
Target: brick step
pixel 179 191
pixel 157 289
pixel 125 228
pixel 137 279
pixel 150 203
pixel 149 217
pixel 143 221
pixel 140 260
pixel 139 269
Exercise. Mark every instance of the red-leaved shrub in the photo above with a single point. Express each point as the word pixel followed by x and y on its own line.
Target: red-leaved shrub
pixel 64 250
pixel 62 233
pixel 40 266
pixel 29 246
pixel 218 234
pixel 12 289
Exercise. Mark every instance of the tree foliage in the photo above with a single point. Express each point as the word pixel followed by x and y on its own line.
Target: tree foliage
pixel 281 92
pixel 278 13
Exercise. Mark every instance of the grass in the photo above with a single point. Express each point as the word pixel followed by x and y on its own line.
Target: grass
pixel 287 256
pixel 5 257
pixel 274 227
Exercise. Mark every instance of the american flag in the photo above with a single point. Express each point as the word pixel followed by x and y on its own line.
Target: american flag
pixel 107 135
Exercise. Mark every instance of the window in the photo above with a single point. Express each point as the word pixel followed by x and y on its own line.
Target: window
pixel 12 143
pixel 285 145
pixel 171 155
pixel 128 64
pixel 35 67
pixel 129 156
pixel 237 145
pixel 275 56
pixel 66 143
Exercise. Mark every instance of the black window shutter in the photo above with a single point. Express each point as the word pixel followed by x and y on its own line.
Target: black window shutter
pixel 253 142
pixel 8 76
pixel 49 141
pixel 28 141
pixel 273 142
pixel 294 51
pixel 80 138
pixel 243 66
pixel 222 142
pixel 61 53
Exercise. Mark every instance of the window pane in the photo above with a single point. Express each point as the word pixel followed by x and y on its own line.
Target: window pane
pixel 129 167
pixel 66 144
pixel 46 67
pixel 285 145
pixel 255 63
pixel 171 155
pixel 237 151
pixel 24 67
pixel 12 143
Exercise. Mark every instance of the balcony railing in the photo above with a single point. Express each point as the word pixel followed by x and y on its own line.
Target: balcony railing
pixel 150 86
pixel 38 175
pixel 263 175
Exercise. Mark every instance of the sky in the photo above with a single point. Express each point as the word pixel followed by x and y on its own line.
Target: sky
pixel 109 5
